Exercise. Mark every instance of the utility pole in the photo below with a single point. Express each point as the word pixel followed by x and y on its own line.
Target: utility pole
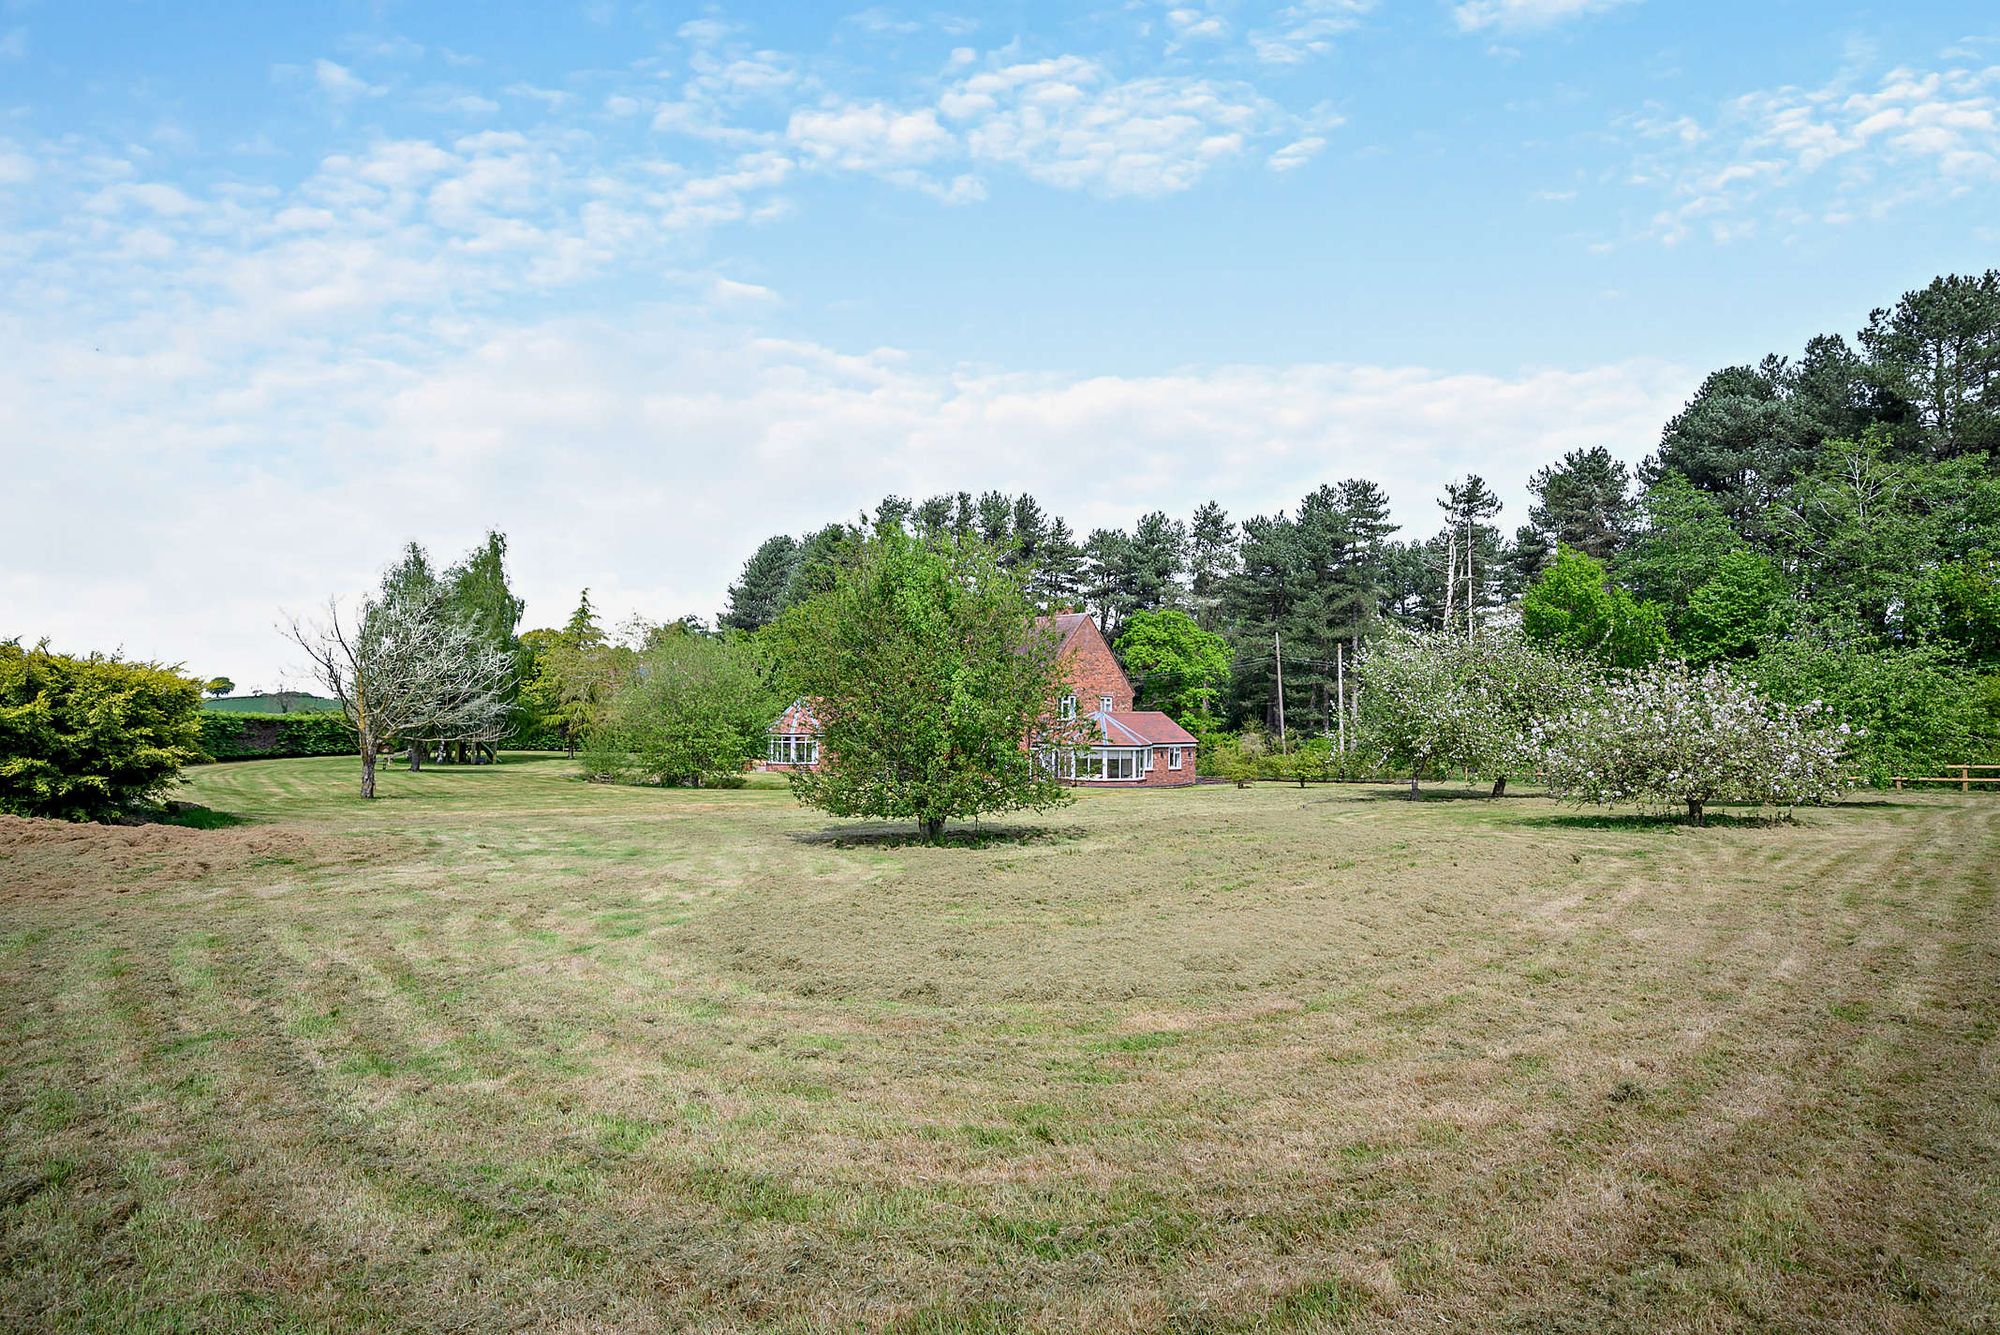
pixel 1340 689
pixel 1278 650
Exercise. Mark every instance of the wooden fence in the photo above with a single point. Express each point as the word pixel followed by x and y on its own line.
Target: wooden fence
pixel 1965 777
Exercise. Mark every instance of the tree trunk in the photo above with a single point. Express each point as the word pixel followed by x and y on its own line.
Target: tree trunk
pixel 933 828
pixel 1414 772
pixel 367 766
pixel 1696 813
pixel 416 756
pixel 1500 785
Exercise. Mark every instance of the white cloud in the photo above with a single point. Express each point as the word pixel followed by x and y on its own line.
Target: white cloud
pixel 1306 29
pixel 1063 121
pixel 869 136
pixel 1295 154
pixel 470 104
pixel 1191 24
pixel 1792 156
pixel 341 83
pixel 1519 15
pixel 622 455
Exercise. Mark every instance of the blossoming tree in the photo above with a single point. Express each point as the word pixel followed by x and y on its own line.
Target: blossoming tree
pixel 1671 734
pixel 1441 699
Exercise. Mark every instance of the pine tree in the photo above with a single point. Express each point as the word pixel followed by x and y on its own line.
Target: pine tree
pixel 758 594
pixel 1155 557
pixel 1107 556
pixel 1211 558
pixel 1059 572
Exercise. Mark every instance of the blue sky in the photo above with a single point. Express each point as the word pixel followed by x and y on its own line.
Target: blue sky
pixel 288 286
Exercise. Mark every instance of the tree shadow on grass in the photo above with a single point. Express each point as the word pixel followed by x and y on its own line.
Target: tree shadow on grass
pixel 1401 793
pixel 904 834
pixel 193 816
pixel 1716 820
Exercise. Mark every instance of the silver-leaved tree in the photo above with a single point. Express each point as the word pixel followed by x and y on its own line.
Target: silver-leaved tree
pixel 406 667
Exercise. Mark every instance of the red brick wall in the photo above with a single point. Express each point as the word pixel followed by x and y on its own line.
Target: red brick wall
pixel 1094 671
pixel 1162 777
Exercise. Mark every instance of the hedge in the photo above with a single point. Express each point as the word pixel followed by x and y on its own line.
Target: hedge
pixel 263 736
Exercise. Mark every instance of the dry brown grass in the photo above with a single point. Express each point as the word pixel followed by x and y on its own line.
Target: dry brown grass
pixel 508 1051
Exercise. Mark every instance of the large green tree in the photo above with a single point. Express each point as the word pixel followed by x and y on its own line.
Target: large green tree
pixel 1935 365
pixel 1575 609
pixel 758 594
pixel 928 677
pixel 1739 609
pixel 1176 666
pixel 1584 500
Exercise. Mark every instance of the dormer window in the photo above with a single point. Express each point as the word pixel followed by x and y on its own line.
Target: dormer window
pixel 1067 709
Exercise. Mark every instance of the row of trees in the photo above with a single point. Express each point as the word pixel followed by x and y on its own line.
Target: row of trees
pixel 1804 523
pixel 1826 528
pixel 1665 732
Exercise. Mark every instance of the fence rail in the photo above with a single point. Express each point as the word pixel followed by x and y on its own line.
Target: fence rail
pixel 1965 777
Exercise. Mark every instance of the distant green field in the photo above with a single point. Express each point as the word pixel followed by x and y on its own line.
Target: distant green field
pixel 504 1050
pixel 274 702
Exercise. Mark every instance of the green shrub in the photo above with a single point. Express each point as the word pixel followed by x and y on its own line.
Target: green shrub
pixel 91 738
pixel 268 736
pixel 1911 709
pixel 693 713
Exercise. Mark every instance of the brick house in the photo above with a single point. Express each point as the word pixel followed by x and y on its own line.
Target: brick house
pixel 793 741
pixel 1131 748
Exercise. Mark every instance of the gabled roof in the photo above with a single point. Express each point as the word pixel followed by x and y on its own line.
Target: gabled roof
pixel 1065 624
pixel 1141 727
pixel 798 717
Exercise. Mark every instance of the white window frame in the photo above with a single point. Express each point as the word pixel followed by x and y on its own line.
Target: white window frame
pixel 1173 757
pixel 1067 708
pixel 1098 764
pixel 1104 703
pixel 792 748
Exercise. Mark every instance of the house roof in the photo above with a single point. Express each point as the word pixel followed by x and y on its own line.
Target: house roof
pixel 1141 727
pixel 1065 624
pixel 797 718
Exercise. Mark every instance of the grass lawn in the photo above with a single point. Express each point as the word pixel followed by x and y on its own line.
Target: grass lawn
pixel 503 1050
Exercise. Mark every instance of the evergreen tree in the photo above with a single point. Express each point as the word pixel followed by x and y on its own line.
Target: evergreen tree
pixel 1584 501
pixel 1059 572
pixel 1934 364
pixel 995 519
pixel 1471 554
pixel 820 555
pixel 1156 555
pixel 1211 558
pixel 758 594
pixel 1107 560
pixel 933 518
pixel 1030 533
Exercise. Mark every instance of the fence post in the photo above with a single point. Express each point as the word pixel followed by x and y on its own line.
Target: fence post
pixel 1965 778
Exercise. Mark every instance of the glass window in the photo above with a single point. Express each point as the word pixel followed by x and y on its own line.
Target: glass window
pixel 1104 703
pixel 792 748
pixel 1173 757
pixel 1068 708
